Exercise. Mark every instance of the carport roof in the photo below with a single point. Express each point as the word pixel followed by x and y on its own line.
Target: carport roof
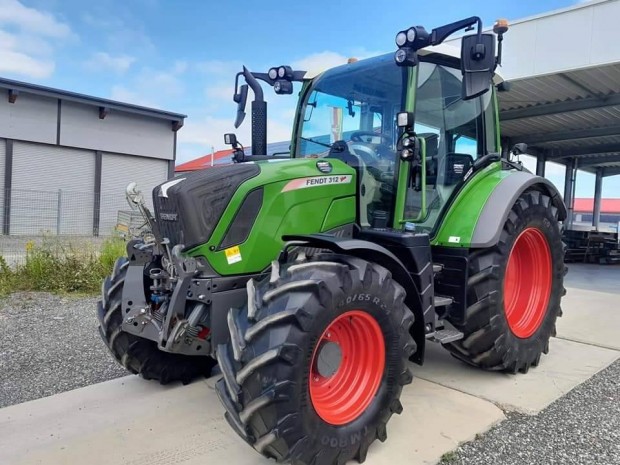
pixel 572 114
pixel 564 102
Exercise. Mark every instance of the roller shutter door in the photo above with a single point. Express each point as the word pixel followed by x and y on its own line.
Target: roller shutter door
pixel 118 171
pixel 52 191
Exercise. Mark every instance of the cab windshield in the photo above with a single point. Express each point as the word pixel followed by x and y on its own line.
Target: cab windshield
pixel 350 114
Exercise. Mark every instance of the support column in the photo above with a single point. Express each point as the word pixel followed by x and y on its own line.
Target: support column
pixel 541 159
pixel 569 189
pixel 97 194
pixel 8 181
pixel 598 192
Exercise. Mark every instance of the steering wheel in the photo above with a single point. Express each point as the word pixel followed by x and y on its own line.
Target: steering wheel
pixel 357 136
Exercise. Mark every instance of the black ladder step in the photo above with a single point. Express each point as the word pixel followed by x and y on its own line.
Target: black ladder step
pixel 441 301
pixel 446 334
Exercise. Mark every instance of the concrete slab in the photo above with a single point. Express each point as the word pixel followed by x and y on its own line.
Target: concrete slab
pixel 134 422
pixel 590 317
pixel 567 365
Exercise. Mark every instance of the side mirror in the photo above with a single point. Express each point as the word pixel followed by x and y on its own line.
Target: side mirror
pixel 230 139
pixel 241 98
pixel 519 149
pixel 477 64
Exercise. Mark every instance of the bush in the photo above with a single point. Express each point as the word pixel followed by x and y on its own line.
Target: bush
pixel 58 268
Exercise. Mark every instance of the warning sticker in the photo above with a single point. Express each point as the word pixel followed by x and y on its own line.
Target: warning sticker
pixel 233 255
pixel 316 181
pixel 454 239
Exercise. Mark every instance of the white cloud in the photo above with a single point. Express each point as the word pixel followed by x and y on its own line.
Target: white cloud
pixel 123 94
pixel 102 60
pixel 19 63
pixel 219 68
pixel 318 62
pixel 28 38
pixel 14 13
pixel 152 88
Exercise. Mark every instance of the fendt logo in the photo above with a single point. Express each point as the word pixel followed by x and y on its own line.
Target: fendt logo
pixel 168 216
pixel 316 181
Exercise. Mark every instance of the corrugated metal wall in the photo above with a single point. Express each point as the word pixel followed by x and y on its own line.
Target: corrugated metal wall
pixel 118 132
pixel 52 190
pixel 117 172
pixel 31 117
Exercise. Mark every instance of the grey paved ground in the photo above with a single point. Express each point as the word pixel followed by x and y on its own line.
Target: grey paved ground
pixel 582 427
pixel 600 278
pixel 50 344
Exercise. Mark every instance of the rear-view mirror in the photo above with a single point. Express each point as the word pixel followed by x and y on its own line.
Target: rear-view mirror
pixel 241 99
pixel 477 64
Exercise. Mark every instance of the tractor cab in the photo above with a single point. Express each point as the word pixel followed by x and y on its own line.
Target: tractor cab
pixel 350 113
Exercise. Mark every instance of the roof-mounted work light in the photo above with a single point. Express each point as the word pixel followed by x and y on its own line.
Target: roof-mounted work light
pixel 282 78
pixel 408 42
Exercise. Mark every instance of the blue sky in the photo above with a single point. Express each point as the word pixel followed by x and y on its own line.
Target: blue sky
pixel 182 55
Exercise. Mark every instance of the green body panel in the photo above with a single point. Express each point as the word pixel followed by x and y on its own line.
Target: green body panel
pixel 290 206
pixel 460 220
pixel 339 209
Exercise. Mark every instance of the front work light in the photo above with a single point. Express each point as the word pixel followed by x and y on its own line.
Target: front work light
pixel 404 119
pixel 283 87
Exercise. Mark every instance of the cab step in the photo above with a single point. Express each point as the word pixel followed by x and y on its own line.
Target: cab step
pixel 446 334
pixel 441 301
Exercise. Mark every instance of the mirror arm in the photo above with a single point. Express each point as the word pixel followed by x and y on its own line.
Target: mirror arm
pixel 254 85
pixel 438 35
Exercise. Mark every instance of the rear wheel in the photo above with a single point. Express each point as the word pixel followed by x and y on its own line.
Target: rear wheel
pixel 138 355
pixel 514 291
pixel 316 362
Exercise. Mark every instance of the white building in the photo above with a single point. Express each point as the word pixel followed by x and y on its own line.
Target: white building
pixel 65 158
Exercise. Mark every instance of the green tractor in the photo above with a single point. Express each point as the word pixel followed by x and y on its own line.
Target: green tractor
pixel 309 281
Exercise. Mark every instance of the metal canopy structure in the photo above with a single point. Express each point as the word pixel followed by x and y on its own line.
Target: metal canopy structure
pixel 564 96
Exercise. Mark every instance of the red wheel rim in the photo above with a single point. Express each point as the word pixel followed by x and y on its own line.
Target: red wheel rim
pixel 344 395
pixel 527 284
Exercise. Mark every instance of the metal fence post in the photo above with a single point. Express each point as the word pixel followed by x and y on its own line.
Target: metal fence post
pixel 59 212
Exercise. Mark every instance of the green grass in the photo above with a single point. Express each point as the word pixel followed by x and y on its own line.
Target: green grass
pixel 449 457
pixel 59 268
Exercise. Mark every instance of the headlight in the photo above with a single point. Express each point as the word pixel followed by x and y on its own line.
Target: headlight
pixel 400 56
pixel 401 38
pixel 273 73
pixel 411 35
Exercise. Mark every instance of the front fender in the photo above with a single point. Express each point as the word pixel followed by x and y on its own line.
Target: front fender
pixel 376 253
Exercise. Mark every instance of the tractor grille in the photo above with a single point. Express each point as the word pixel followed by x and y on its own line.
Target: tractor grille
pixel 167 217
pixel 191 208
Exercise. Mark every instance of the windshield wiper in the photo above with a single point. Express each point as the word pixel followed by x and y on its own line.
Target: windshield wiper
pixel 329 146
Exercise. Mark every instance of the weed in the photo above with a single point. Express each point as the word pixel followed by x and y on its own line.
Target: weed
pixel 449 457
pixel 55 267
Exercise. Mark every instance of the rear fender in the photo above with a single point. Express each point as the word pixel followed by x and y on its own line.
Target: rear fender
pixel 496 209
pixel 477 215
pixel 375 253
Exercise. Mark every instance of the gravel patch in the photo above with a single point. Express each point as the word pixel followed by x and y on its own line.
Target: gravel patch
pixel 583 427
pixel 50 344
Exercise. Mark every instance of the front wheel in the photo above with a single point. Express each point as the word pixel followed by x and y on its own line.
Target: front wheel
pixel 514 291
pixel 317 360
